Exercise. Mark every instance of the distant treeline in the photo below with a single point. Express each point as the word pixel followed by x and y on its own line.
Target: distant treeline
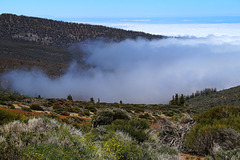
pixel 204 92
pixel 176 100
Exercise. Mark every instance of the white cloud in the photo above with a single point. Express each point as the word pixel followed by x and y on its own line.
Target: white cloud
pixel 141 71
pixel 198 30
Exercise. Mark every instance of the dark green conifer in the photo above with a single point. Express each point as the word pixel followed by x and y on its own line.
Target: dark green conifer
pixel 176 100
pixel 182 100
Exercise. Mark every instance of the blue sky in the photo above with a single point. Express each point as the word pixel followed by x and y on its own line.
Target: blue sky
pixel 151 16
pixel 121 8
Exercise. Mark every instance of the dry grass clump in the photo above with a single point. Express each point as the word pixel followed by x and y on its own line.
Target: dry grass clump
pixel 45 137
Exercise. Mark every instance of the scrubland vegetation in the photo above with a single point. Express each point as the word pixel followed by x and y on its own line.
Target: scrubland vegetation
pixel 38 128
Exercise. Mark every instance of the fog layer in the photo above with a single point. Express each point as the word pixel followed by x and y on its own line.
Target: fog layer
pixel 141 71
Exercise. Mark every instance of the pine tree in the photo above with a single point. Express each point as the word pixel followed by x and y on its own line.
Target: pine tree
pixel 91 100
pixel 172 102
pixel 176 100
pixel 182 100
pixel 69 97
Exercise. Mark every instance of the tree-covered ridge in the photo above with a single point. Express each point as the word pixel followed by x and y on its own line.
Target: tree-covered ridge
pixel 209 98
pixel 58 33
pixel 26 55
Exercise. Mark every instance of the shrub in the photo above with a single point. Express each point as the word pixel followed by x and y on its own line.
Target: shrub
pixel 43 138
pixel 91 108
pixel 134 127
pixel 103 118
pixel 145 116
pixel 121 149
pixel 231 154
pixel 175 117
pixel 106 117
pixel 50 151
pixel 81 114
pixel 168 113
pixel 120 114
pixel 3 103
pixel 8 151
pixel 85 127
pixel 26 109
pixel 10 106
pixel 47 104
pixel 7 116
pixel 73 109
pixel 165 149
pixel 219 125
pixel 36 107
pixel 87 113
pixel 64 113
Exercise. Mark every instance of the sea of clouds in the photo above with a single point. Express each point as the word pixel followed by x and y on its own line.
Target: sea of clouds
pixel 183 29
pixel 140 71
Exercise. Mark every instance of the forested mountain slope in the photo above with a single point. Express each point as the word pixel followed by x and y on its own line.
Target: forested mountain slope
pixel 27 42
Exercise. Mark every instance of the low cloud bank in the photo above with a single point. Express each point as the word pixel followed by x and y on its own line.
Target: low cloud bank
pixel 190 29
pixel 141 71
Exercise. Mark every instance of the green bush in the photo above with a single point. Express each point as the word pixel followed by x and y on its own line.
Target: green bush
pixel 85 127
pixel 122 150
pixel 87 113
pixel 10 106
pixel 64 113
pixel 47 104
pixel 50 151
pixel 134 127
pixel 145 116
pixel 9 151
pixel 91 108
pixel 36 107
pixel 81 114
pixel 106 117
pixel 3 103
pixel 212 126
pixel 7 116
pixel 73 109
pixel 26 109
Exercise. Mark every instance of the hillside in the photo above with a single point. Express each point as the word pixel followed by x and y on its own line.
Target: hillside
pixel 224 97
pixel 58 33
pixel 27 42
pixel 23 55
